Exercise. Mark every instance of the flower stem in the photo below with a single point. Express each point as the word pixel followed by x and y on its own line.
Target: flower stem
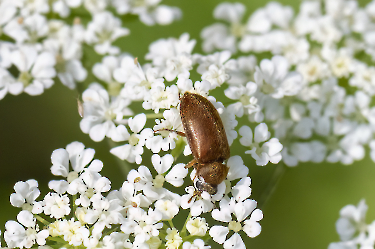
pixel 183 231
pixel 272 184
pixel 170 222
pixel 154 115
pixel 42 220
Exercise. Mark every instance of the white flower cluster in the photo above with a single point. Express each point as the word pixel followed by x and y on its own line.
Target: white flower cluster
pixel 106 111
pixel 352 228
pixel 35 49
pixel 80 210
pixel 321 109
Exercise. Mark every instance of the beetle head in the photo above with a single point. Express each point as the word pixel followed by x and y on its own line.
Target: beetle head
pixel 201 185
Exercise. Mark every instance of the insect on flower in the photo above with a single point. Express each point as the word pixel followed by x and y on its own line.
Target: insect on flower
pixel 207 139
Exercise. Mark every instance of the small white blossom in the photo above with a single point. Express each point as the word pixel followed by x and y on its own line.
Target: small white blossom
pixel 268 152
pixel 273 78
pixel 103 30
pixel 134 149
pixel 16 235
pixel 56 206
pixel 142 224
pixel 172 56
pixel 73 231
pixel 197 226
pixel 35 70
pixel 161 97
pixel 173 239
pixel 241 210
pixel 101 114
pixel 25 196
pixel 197 244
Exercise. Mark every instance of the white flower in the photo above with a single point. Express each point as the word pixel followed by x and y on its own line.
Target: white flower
pixel 105 70
pixel 219 36
pixel 363 78
pixel 197 226
pixel 25 196
pixel 103 30
pixel 186 85
pixel 75 155
pixel 101 114
pixel 78 157
pixel 197 244
pixel 104 212
pixel 149 11
pixel 8 83
pixel 313 69
pixel 325 31
pixel 73 232
pixel 56 206
pixel 166 140
pixel 248 103
pixel 352 221
pixel 130 196
pixel 268 152
pixel 216 76
pixel 168 208
pixel 161 97
pixel 162 14
pixel 173 239
pixel 36 70
pixel 138 80
pixel 219 59
pixel 28 30
pixel 134 149
pixel 16 235
pixel 274 13
pixel 241 210
pixel 7 12
pixel 241 70
pixel 68 53
pixel 151 186
pixel 171 56
pixel 273 78
pixel 95 6
pixel 63 6
pixel 38 6
pixel 142 224
pixel 201 204
pixel 88 184
pixel 340 61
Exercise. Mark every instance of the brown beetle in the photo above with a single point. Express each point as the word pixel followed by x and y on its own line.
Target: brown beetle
pixel 207 139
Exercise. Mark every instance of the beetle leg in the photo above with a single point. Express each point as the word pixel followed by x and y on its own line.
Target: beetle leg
pixel 178 132
pixel 196 193
pixel 191 164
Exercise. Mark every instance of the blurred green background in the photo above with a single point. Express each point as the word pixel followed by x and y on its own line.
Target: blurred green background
pixel 300 214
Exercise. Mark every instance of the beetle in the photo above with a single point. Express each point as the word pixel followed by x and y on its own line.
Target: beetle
pixel 207 139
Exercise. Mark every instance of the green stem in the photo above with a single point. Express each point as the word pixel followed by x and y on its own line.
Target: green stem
pixel 154 115
pixel 171 224
pixel 183 231
pixel 42 220
pixel 272 184
pixel 148 115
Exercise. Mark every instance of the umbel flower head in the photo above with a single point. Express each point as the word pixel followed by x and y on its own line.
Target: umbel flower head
pixel 298 88
pixel 81 210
